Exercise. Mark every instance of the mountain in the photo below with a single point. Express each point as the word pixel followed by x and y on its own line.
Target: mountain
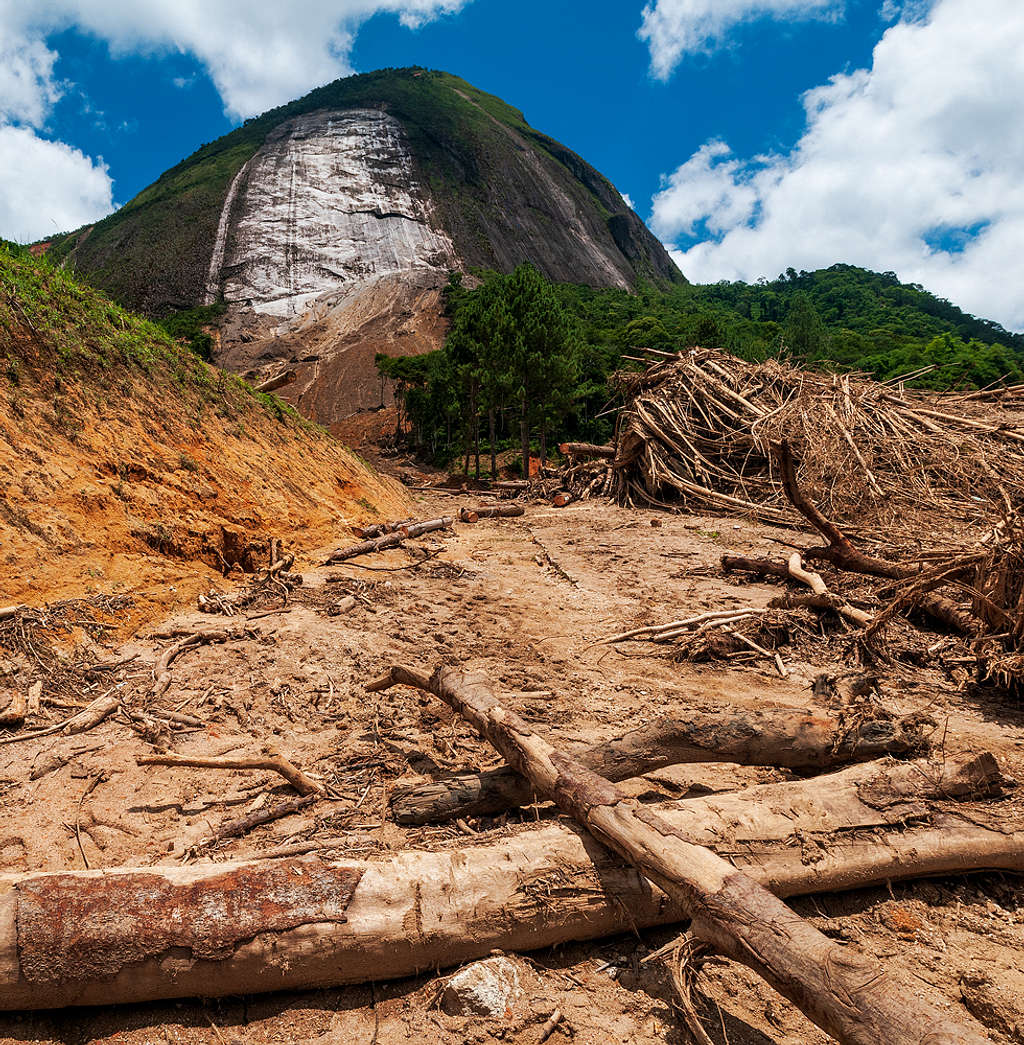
pixel 125 459
pixel 328 226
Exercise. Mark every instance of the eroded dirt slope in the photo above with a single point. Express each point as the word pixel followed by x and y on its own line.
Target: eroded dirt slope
pixel 134 481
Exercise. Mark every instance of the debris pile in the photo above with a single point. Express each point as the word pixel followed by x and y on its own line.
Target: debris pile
pixel 696 430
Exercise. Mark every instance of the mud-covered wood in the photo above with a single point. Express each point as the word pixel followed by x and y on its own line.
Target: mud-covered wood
pixel 792 738
pixel 390 540
pixel 417 910
pixel 586 450
pixel 491 511
pixel 847 993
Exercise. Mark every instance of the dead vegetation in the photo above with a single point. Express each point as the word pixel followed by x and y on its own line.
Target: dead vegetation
pixel 696 431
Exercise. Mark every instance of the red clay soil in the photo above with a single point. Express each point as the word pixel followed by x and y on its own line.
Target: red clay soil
pixel 128 483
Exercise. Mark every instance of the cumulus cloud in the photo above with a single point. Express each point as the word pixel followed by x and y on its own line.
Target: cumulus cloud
pixel 913 165
pixel 259 53
pixel 673 29
pixel 47 187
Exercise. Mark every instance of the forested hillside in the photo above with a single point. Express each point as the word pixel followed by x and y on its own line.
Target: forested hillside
pixel 841 318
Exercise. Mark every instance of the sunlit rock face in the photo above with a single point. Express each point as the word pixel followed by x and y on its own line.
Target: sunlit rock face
pixel 331 199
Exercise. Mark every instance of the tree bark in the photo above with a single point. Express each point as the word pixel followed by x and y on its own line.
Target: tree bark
pixel 379 529
pixel 844 991
pixel 491 439
pixel 586 450
pixel 491 512
pixel 417 911
pixel 390 540
pixel 788 737
pixel 524 439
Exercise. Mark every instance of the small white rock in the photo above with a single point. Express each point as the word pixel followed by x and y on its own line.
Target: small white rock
pixel 487 988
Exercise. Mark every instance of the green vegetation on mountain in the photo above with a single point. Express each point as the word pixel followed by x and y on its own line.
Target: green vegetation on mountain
pixel 478 155
pixel 842 318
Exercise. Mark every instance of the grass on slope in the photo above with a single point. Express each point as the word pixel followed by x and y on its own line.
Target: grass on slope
pixel 126 462
pixel 84 333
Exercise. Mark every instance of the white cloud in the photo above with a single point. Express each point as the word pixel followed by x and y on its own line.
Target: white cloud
pixel 47 187
pixel 27 85
pixel 675 28
pixel 259 53
pixel 896 164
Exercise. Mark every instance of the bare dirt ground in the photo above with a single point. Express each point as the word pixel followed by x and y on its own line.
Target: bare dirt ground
pixel 524 600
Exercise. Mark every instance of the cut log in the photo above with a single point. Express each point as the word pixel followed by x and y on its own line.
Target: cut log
pixel 790 737
pixel 760 567
pixel 586 450
pixel 389 540
pixel 492 511
pixel 417 911
pixel 379 529
pixel 844 991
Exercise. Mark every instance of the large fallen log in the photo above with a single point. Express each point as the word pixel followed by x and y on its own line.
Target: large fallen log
pixel 586 450
pixel 99 937
pixel 847 993
pixel 491 511
pixel 793 738
pixel 390 540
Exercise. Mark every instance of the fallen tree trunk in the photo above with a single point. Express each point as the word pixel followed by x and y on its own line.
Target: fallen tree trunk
pixel 416 911
pixel 491 511
pixel 586 450
pixel 788 737
pixel 844 991
pixel 389 540
pixel 379 529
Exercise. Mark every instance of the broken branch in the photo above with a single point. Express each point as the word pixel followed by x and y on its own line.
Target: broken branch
pixel 272 760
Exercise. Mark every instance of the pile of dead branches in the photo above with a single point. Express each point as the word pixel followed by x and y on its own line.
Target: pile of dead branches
pixel 973 597
pixel 274 583
pixel 696 429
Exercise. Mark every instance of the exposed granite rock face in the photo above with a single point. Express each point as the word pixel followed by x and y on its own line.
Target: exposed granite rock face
pixel 329 201
pixel 327 225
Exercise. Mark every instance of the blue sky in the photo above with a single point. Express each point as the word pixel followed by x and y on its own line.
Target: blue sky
pixel 751 134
